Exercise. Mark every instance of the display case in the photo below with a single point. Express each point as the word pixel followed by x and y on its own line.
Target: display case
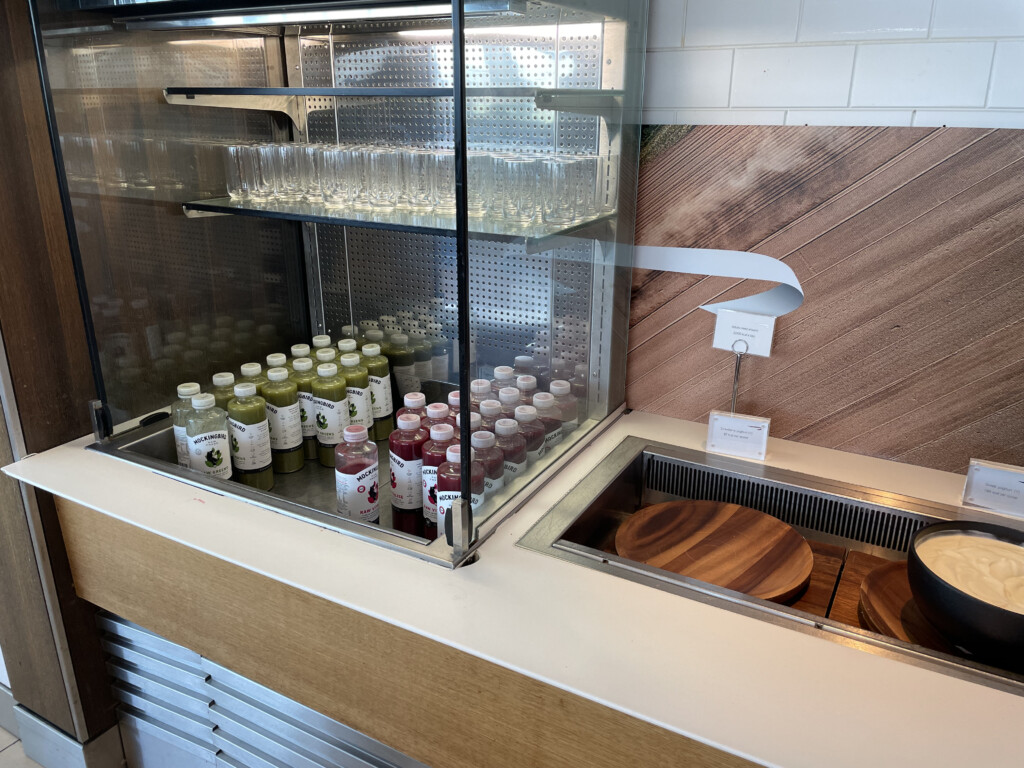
pixel 461 177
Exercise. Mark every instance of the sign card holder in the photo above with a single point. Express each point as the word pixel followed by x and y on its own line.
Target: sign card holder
pixel 996 487
pixel 734 434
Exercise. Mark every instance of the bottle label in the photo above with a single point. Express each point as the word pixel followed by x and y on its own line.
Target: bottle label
pixel 380 396
pixel 331 419
pixel 406 482
pixel 359 412
pixel 358 494
pixel 181 446
pixel 424 370
pixel 406 378
pixel 429 475
pixel 307 414
pixel 445 499
pixel 210 453
pixel 532 456
pixel 285 426
pixel 439 367
pixel 250 444
pixel 552 439
pixel 492 485
pixel 513 470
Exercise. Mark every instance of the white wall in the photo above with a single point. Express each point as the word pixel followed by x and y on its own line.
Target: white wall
pixel 836 62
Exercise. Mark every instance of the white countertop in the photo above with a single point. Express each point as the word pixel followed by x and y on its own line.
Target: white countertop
pixel 759 690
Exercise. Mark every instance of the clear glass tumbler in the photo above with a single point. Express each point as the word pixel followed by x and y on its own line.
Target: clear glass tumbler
pixel 383 177
pixel 415 174
pixel 334 182
pixel 559 187
pixel 480 179
pixel 520 189
pixel 235 178
pixel 267 172
pixel 290 187
pixel 309 173
pixel 442 182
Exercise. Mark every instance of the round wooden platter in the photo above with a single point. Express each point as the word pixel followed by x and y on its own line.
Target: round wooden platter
pixel 887 607
pixel 723 544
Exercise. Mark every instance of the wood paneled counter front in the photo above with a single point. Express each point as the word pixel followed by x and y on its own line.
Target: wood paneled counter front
pixel 518 659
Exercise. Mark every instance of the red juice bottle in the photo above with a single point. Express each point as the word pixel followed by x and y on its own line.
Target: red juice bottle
pixel 449 484
pixel 406 461
pixel 356 476
pixel 504 376
pixel 532 430
pixel 437 413
pixel 513 447
pixel 434 455
pixel 454 405
pixel 474 425
pixel 487 452
pixel 550 417
pixel 527 386
pixel 490 412
pixel 479 390
pixel 509 398
pixel 567 404
pixel 414 403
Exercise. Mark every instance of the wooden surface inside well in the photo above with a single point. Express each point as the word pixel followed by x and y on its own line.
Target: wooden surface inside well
pixel 887 606
pixel 828 561
pixel 908 243
pixel 846 602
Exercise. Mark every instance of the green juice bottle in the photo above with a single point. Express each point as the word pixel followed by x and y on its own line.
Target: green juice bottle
pixel 209 450
pixel 422 354
pixel 376 336
pixel 330 400
pixel 380 392
pixel 326 355
pixel 180 412
pixel 223 389
pixel 403 365
pixel 345 346
pixel 297 351
pixel 352 332
pixel 283 413
pixel 277 360
pixel 357 382
pixel 303 376
pixel 250 438
pixel 323 341
pixel 253 373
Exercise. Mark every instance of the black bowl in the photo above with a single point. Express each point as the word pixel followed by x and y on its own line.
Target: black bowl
pixel 991 633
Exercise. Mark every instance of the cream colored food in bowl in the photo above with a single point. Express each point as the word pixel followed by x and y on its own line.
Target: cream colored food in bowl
pixel 982 566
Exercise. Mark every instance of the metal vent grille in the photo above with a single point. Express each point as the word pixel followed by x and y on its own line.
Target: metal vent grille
pixel 826 513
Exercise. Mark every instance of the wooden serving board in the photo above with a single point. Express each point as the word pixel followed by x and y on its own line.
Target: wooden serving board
pixel 723 544
pixel 828 561
pixel 887 607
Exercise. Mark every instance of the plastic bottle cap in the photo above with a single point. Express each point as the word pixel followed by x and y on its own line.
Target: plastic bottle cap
pixel 276 360
pixel 482 440
pixel 526 413
pixel 581 371
pixel 245 389
pixel 409 422
pixel 544 400
pixel 349 330
pixel 506 427
pixel 415 400
pixel 326 355
pixel 559 387
pixel 454 454
pixel 399 339
pixel 526 382
pixel 479 386
pixel 251 369
pixel 442 432
pixel 454 398
pixel 437 411
pixel 302 364
pixel 188 389
pixel 504 373
pixel 490 408
pixel 524 361
pixel 347 345
pixel 375 335
pixel 355 434
pixel 388 320
pixel 300 350
pixel 349 360
pixel 371 350
pixel 223 379
pixel 325 370
pixel 321 341
pixel 369 324
pixel 508 395
pixel 474 420
pixel 404 313
pixel 417 333
pixel 203 401
pixel 278 374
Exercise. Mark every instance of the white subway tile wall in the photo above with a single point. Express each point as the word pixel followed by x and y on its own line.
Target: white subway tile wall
pixel 836 62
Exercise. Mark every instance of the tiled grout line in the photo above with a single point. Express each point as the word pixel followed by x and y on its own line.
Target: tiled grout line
pixel 16 741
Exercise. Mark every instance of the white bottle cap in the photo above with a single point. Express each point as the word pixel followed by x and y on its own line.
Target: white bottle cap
pixel 479 386
pixel 300 350
pixel 416 333
pixel 409 422
pixel 454 454
pixel 508 396
pixel 276 360
pixel 524 361
pixel 580 372
pixel 347 345
pixel 203 401
pixel 526 413
pixel 302 364
pixel 321 341
pixel 350 360
pixel 504 373
pixel 188 389
pixel 543 400
pixel 415 400
pixel 490 408
pixel 355 434
pixel 559 387
pixel 437 411
pixel 371 350
pixel 506 427
pixel 454 398
pixel 388 320
pixel 482 440
pixel 369 324
pixel 223 379
pixel 442 432
pixel 526 383
pixel 399 339
pixel 326 354
pixel 251 369
pixel 375 335
pixel 278 374
pixel 350 331
pixel 324 370
pixel 245 389
pixel 474 421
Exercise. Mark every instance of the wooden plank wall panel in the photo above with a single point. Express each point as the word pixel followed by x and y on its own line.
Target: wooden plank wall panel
pixel 909 243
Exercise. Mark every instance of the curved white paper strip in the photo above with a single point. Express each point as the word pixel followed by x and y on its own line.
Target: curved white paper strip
pixel 783 298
